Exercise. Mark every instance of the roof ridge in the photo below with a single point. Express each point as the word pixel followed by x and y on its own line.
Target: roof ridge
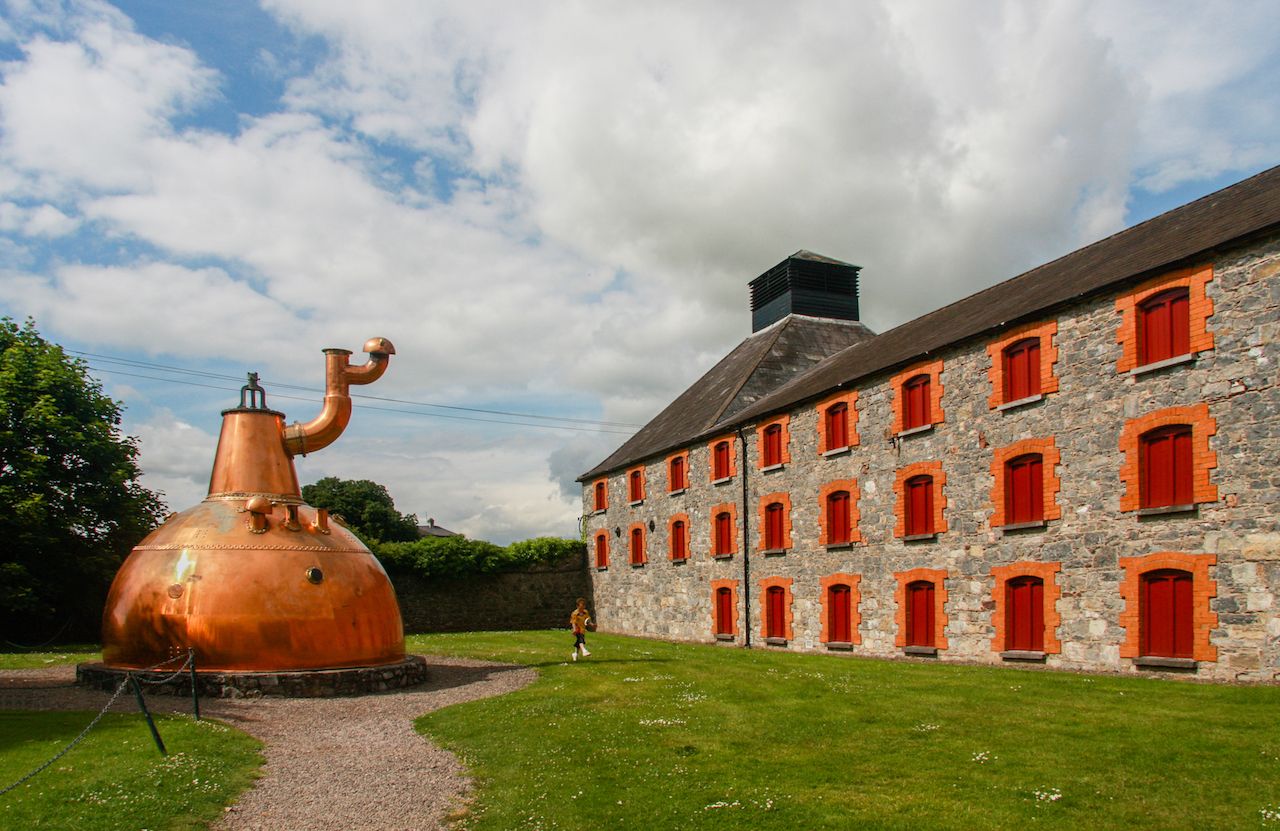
pixel 746 376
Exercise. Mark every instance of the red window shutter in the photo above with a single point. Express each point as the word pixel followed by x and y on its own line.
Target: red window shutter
pixel 915 402
pixel 675 477
pixel 637 545
pixel 1024 614
pixel 837 426
pixel 840 608
pixel 920 613
pixel 838 530
pixel 775 623
pixel 636 489
pixel 1022 370
pixel 724 612
pixel 1166 475
pixel 724 533
pixel 720 463
pixel 1024 489
pixel 602 551
pixel 1166 614
pixel 918 499
pixel 600 496
pixel 773 525
pixel 679 541
pixel 773 445
pixel 1164 326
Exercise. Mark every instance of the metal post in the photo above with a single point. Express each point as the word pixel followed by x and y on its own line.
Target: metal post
pixel 142 705
pixel 195 692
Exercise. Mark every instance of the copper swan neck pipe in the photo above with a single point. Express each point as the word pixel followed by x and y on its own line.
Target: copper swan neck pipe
pixel 324 429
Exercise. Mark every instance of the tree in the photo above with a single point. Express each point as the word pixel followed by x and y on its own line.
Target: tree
pixel 365 507
pixel 71 507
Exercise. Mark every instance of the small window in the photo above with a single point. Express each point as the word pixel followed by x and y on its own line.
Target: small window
pixel 839 531
pixel 637 546
pixel 772 451
pixel 775 612
pixel 679 540
pixel 840 612
pixel 723 543
pixel 601 500
pixel 1024 489
pixel 1165 467
pixel 724 611
pixel 602 550
pixel 1021 370
pixel 836 424
pixel 773 526
pixel 1164 326
pixel 918 501
pixel 1024 614
pixel 720 461
pixel 635 486
pixel 915 403
pixel 920 613
pixel 676 478
pixel 1166 623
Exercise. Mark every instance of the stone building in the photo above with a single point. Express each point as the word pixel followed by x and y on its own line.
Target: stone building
pixel 1079 466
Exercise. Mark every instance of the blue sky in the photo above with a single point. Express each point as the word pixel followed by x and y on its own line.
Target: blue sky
pixel 553 209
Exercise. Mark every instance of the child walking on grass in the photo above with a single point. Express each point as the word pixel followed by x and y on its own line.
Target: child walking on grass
pixel 579 621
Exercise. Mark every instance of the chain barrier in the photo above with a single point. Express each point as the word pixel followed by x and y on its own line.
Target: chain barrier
pixel 38 647
pixel 176 673
pixel 64 751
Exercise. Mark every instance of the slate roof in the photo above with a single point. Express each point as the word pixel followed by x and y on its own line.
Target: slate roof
pixel 1175 238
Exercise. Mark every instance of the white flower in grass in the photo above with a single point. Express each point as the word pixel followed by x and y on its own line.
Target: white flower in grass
pixel 925 727
pixel 983 756
pixel 1270 814
pixel 1048 795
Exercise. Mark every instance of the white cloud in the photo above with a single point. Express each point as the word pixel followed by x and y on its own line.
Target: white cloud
pixel 176 458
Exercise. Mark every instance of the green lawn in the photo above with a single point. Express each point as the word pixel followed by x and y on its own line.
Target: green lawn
pixel 70 654
pixel 116 779
pixel 645 734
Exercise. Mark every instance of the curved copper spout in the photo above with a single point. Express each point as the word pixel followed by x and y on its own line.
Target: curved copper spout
pixel 321 431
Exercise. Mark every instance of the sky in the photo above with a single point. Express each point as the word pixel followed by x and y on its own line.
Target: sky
pixel 553 209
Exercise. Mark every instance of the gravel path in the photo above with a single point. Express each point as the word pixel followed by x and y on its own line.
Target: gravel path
pixel 336 763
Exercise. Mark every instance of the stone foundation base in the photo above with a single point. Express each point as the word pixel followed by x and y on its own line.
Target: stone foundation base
pixel 317 683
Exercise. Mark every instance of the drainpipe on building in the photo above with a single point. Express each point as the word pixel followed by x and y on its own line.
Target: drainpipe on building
pixel 746 547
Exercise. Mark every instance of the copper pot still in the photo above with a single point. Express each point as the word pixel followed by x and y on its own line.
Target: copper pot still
pixel 254 579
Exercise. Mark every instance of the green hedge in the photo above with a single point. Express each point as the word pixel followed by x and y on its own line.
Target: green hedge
pixel 459 556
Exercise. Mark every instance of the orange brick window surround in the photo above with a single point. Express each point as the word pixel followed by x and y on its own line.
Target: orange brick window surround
pixel 683 455
pixel 850 400
pixel 1200 309
pixel 783 421
pixel 671 524
pixel 732 586
pixel 641 480
pixel 1050 458
pixel 934 370
pixel 938 577
pixel 1204 619
pixel 855 599
pixel 1045 333
pixel 850 485
pixel 644 543
pixel 711 456
pixel 731 508
pixel 600 494
pixel 1203 459
pixel 1047 572
pixel 784 499
pixel 789 616
pixel 933 469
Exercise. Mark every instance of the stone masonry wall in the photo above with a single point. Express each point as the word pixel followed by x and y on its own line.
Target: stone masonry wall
pixel 1237 534
pixel 540 597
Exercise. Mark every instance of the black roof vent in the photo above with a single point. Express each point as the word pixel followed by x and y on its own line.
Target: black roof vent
pixel 805 284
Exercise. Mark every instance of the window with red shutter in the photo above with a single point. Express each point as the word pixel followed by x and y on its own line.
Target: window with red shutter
pixel 840 610
pixel 602 550
pixel 679 541
pixel 1024 489
pixel 838 524
pixel 601 502
pixel 720 461
pixel 724 611
pixel 773 515
pixel 836 424
pixel 920 613
pixel 724 533
pixel 915 403
pixel 1021 370
pixel 1166 608
pixel 1024 614
pixel 637 546
pixel 675 477
pixel 1164 326
pixel 918 502
pixel 1165 472
pixel 772 454
pixel 775 613
pixel 635 486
